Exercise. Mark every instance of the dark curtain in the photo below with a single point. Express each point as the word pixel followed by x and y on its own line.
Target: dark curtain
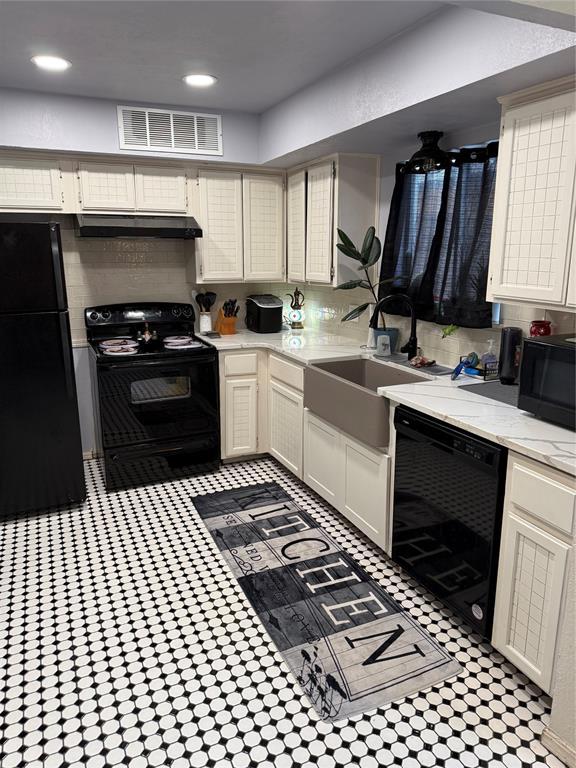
pixel 438 239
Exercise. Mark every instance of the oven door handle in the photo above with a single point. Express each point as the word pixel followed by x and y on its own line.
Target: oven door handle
pixel 156 363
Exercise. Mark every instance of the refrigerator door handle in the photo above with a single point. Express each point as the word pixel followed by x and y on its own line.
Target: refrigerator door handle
pixel 67 355
pixel 60 285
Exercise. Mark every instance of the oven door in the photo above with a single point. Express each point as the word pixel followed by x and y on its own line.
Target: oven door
pixel 548 382
pixel 158 400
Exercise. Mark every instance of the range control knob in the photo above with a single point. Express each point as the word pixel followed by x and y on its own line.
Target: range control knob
pixel 106 314
pixel 176 311
pixel 94 316
pixel 188 312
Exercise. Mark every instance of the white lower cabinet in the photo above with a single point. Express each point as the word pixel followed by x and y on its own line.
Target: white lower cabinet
pixel 349 475
pixel 240 411
pixel 535 547
pixel 241 433
pixel 365 492
pixel 286 409
pixel 322 459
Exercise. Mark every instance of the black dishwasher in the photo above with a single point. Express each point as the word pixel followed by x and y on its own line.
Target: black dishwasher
pixel 448 496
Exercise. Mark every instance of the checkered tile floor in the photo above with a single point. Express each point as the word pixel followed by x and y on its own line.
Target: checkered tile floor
pixel 124 641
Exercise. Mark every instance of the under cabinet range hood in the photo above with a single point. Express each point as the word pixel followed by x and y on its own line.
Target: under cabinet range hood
pixel 177 227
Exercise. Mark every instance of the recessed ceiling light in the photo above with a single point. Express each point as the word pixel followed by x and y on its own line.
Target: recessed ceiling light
pixel 51 63
pixel 200 81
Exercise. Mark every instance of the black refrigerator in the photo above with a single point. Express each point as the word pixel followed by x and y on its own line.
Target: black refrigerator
pixel 40 446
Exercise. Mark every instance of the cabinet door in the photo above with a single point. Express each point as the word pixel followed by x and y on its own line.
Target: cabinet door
pixel 30 184
pixel 534 188
pixel 296 226
pixel 241 415
pixel 106 186
pixel 323 470
pixel 220 246
pixel 160 189
pixel 285 419
pixel 319 221
pixel 263 201
pixel 365 489
pixel 529 597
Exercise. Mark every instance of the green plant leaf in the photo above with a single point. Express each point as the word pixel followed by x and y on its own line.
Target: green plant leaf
pixel 367 244
pixel 374 254
pixel 346 240
pixel 352 253
pixel 349 284
pixel 449 330
pixel 356 312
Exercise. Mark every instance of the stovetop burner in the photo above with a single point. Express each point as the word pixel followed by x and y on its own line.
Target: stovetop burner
pixel 143 330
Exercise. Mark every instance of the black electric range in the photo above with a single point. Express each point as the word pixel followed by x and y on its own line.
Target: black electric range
pixel 156 393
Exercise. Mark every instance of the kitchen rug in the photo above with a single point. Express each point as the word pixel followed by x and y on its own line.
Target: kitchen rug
pixel 351 647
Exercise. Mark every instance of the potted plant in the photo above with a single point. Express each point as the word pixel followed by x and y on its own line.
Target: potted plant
pixel 367 257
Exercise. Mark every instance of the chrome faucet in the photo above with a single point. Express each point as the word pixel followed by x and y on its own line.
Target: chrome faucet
pixel 411 346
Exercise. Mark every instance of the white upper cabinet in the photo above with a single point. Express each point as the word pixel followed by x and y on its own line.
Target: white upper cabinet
pixel 106 186
pixel 30 184
pixel 530 249
pixel 263 208
pixel 160 189
pixel 319 220
pixel 339 192
pixel 296 225
pixel 221 246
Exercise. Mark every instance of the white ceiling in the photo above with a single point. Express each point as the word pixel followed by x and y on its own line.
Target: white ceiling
pixel 261 52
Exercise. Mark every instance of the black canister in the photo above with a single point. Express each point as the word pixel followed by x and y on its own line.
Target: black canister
pixel 510 351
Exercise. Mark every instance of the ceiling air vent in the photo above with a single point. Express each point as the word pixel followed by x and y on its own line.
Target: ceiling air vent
pixel 163 130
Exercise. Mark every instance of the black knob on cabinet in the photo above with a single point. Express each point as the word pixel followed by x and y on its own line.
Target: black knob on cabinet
pixel 106 314
pixel 176 311
pixel 187 312
pixel 93 316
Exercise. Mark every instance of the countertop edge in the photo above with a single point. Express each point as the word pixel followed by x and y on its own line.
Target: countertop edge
pixel 519 445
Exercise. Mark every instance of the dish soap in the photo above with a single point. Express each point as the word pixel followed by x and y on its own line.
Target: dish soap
pixel 489 356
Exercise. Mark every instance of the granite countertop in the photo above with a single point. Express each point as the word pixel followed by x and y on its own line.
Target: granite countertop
pixel 505 424
pixel 303 347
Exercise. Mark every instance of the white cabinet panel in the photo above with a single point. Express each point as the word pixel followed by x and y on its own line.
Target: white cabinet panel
pixel 322 459
pixel 286 412
pixel 529 597
pixel 220 248
pixel 160 189
pixel 571 293
pixel 263 201
pixel 106 186
pixel 534 187
pixel 296 226
pixel 241 414
pixel 319 221
pixel 365 489
pixel 30 184
pixel 350 476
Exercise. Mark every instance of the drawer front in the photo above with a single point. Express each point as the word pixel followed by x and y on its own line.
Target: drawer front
pixel 289 373
pixel 241 364
pixel 543 497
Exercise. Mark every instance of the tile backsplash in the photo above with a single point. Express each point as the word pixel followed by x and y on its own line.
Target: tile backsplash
pixel 325 307
pixel 107 271
pixel 101 271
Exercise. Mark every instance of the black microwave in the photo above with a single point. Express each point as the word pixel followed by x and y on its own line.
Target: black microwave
pixel 547 378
